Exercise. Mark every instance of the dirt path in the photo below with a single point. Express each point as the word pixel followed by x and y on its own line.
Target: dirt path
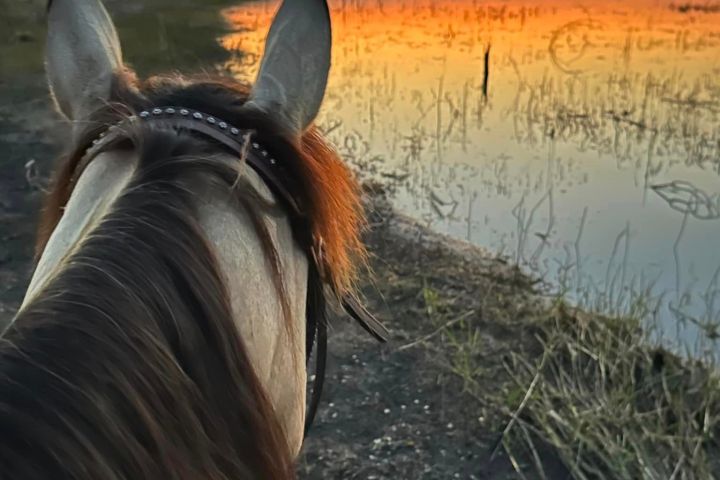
pixel 392 411
pixel 397 411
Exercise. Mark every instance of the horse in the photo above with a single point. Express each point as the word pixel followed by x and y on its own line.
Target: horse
pixel 186 250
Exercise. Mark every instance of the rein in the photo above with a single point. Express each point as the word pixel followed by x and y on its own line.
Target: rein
pixel 280 182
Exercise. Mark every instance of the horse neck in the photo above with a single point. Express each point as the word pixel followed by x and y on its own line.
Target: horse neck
pixel 276 349
pixel 97 189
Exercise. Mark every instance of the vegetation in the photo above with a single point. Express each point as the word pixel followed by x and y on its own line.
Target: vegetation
pixel 611 406
pixel 590 395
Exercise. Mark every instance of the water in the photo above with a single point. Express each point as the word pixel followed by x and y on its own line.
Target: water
pixel 551 162
pixel 588 107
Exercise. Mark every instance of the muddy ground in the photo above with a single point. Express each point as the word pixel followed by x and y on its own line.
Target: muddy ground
pixel 389 411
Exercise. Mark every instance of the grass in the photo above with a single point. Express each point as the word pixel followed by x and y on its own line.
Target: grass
pixel 610 405
pixel 591 393
pixel 572 392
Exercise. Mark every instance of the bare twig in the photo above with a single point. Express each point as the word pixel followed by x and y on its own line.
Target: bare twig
pixel 437 331
pixel 521 407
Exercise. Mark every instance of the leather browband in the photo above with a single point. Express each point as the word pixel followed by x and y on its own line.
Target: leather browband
pixel 238 141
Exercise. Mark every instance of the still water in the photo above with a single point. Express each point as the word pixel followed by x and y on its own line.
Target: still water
pixel 580 140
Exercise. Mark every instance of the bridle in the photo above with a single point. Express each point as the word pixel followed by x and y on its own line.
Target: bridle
pixel 277 178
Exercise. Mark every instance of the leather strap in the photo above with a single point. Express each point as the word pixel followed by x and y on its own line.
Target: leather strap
pixel 319 380
pixel 239 143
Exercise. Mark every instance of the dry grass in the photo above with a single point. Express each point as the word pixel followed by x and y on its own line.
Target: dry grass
pixel 611 406
pixel 580 392
pixel 608 405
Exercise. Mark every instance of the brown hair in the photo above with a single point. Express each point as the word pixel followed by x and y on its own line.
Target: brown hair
pixel 331 195
pixel 128 364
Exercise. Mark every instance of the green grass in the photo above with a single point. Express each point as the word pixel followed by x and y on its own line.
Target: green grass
pixel 163 35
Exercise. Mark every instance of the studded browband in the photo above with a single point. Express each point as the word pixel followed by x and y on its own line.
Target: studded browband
pixel 237 140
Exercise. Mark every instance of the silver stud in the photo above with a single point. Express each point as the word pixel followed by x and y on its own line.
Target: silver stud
pixel 211 120
pixel 234 131
pixel 264 153
pixel 103 134
pixel 157 111
pixel 170 110
pixel 96 141
pixel 197 115
pixel 273 161
pixel 144 114
pixel 256 145
pixel 222 125
pixel 184 112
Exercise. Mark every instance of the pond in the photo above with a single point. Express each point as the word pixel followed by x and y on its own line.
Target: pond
pixel 581 141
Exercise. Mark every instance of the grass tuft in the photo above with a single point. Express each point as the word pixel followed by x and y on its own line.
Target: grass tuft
pixel 607 404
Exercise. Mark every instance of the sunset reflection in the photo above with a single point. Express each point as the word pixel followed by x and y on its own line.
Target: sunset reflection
pixel 588 107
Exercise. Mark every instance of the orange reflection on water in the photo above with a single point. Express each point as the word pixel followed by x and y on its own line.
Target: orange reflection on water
pixel 587 107
pixel 400 66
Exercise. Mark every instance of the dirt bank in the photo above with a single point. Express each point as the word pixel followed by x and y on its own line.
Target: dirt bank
pixel 400 410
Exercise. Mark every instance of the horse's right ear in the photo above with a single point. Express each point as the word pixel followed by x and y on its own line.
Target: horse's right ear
pixel 81 57
pixel 294 69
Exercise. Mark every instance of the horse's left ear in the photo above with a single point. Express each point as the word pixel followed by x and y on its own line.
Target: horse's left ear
pixel 82 55
pixel 294 69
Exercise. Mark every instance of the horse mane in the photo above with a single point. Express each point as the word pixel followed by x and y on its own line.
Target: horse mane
pixel 128 364
pixel 330 193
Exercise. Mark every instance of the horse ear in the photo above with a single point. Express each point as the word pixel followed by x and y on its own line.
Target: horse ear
pixel 82 55
pixel 294 69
